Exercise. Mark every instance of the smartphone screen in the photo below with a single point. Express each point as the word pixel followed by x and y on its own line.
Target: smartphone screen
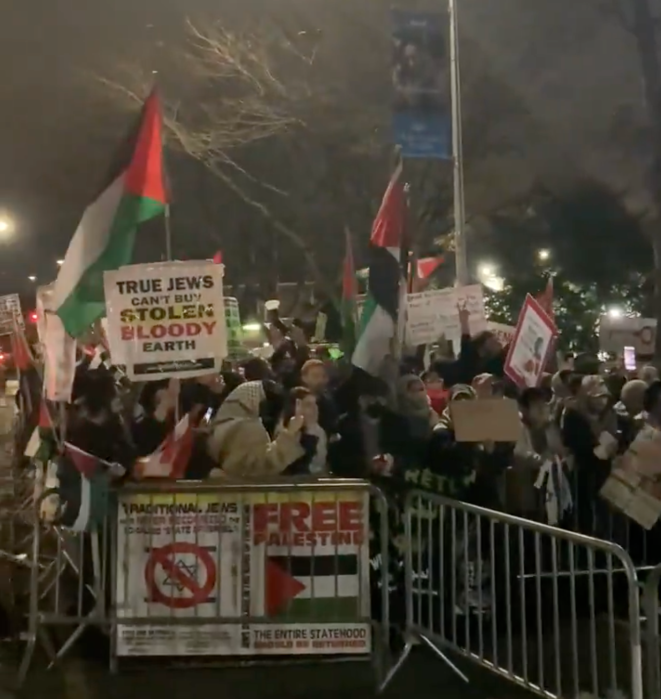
pixel 630 358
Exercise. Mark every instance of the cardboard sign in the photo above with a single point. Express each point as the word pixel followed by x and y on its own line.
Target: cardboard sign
pixel 532 345
pixel 617 333
pixel 235 345
pixel 166 319
pixel 431 314
pixel 486 420
pixel 10 308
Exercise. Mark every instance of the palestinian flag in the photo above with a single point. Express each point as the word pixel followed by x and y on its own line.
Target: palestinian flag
pixel 378 322
pixel 83 488
pixel 172 456
pixel 305 588
pixel 349 295
pixel 134 193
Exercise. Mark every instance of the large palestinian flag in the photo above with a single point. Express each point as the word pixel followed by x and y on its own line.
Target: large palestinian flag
pixel 378 321
pixel 134 193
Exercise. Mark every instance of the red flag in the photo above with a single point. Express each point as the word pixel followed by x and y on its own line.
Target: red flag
pixel 388 226
pixel 218 258
pixel 545 299
pixel 428 265
pixel 20 348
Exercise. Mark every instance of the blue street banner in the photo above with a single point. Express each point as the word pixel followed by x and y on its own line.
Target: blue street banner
pixel 421 85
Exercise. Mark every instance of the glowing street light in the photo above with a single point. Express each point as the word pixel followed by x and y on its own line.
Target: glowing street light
pixel 32 278
pixel 60 263
pixel 486 270
pixel 6 227
pixel 543 255
pixel 615 312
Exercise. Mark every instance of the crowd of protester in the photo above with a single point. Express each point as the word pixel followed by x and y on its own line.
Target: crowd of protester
pixel 300 413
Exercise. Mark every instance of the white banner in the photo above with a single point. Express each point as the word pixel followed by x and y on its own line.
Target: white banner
pixel 302 564
pixel 10 308
pixel 431 314
pixel 617 333
pixel 166 319
pixel 57 347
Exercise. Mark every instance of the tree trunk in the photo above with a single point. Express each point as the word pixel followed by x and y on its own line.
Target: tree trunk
pixel 647 45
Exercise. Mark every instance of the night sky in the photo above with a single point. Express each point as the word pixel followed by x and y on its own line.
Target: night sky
pixel 574 77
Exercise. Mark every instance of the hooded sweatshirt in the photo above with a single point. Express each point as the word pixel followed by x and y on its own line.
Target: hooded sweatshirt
pixel 239 443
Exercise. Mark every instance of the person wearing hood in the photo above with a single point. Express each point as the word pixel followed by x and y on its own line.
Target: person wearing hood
pixel 629 411
pixel 589 433
pixel 238 441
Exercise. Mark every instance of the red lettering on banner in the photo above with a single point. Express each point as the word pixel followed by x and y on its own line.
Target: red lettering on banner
pixel 304 524
pixel 159 331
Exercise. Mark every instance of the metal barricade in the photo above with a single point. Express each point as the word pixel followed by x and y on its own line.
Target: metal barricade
pixel 521 599
pixel 652 641
pixel 275 568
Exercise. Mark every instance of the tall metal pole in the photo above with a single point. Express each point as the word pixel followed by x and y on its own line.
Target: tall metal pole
pixel 457 154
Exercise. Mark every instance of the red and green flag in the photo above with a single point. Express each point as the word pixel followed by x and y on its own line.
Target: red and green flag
pixel 134 192
pixel 380 314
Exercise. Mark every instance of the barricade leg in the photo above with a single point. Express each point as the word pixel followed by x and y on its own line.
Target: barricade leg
pixel 412 635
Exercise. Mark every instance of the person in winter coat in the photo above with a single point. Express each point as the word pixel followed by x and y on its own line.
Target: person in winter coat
pixel 239 443
pixel 589 433
pixel 314 441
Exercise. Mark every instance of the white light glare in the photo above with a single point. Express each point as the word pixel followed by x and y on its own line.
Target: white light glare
pixel 615 312
pixel 60 263
pixel 543 254
pixel 486 270
pixel 252 327
pixel 32 278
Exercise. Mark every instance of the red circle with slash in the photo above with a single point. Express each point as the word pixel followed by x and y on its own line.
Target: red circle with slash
pixel 163 557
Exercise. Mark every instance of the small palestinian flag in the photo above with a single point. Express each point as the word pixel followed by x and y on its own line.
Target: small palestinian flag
pixel 379 318
pixel 83 488
pixel 135 192
pixel 349 298
pixel 313 588
pixel 171 458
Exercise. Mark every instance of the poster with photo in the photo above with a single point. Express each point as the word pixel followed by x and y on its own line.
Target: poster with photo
pixel 532 345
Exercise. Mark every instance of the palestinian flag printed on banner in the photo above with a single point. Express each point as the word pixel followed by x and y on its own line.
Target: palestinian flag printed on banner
pixel 313 557
pixel 379 318
pixel 134 192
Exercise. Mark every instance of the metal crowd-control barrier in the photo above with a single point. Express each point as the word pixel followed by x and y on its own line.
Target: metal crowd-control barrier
pixel 275 568
pixel 652 641
pixel 521 599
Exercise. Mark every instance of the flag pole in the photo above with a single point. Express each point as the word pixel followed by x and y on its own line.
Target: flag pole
pixel 457 150
pixel 168 234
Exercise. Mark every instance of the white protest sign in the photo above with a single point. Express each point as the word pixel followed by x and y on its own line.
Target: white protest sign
pixel 58 348
pixel 10 308
pixel 166 319
pixel 617 333
pixel 504 333
pixel 531 346
pixel 431 314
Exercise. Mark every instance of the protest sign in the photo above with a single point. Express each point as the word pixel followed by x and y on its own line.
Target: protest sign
pixel 300 564
pixel 10 308
pixel 431 314
pixel 166 319
pixel 504 333
pixel 617 333
pixel 532 345
pixel 486 420
pixel 235 347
